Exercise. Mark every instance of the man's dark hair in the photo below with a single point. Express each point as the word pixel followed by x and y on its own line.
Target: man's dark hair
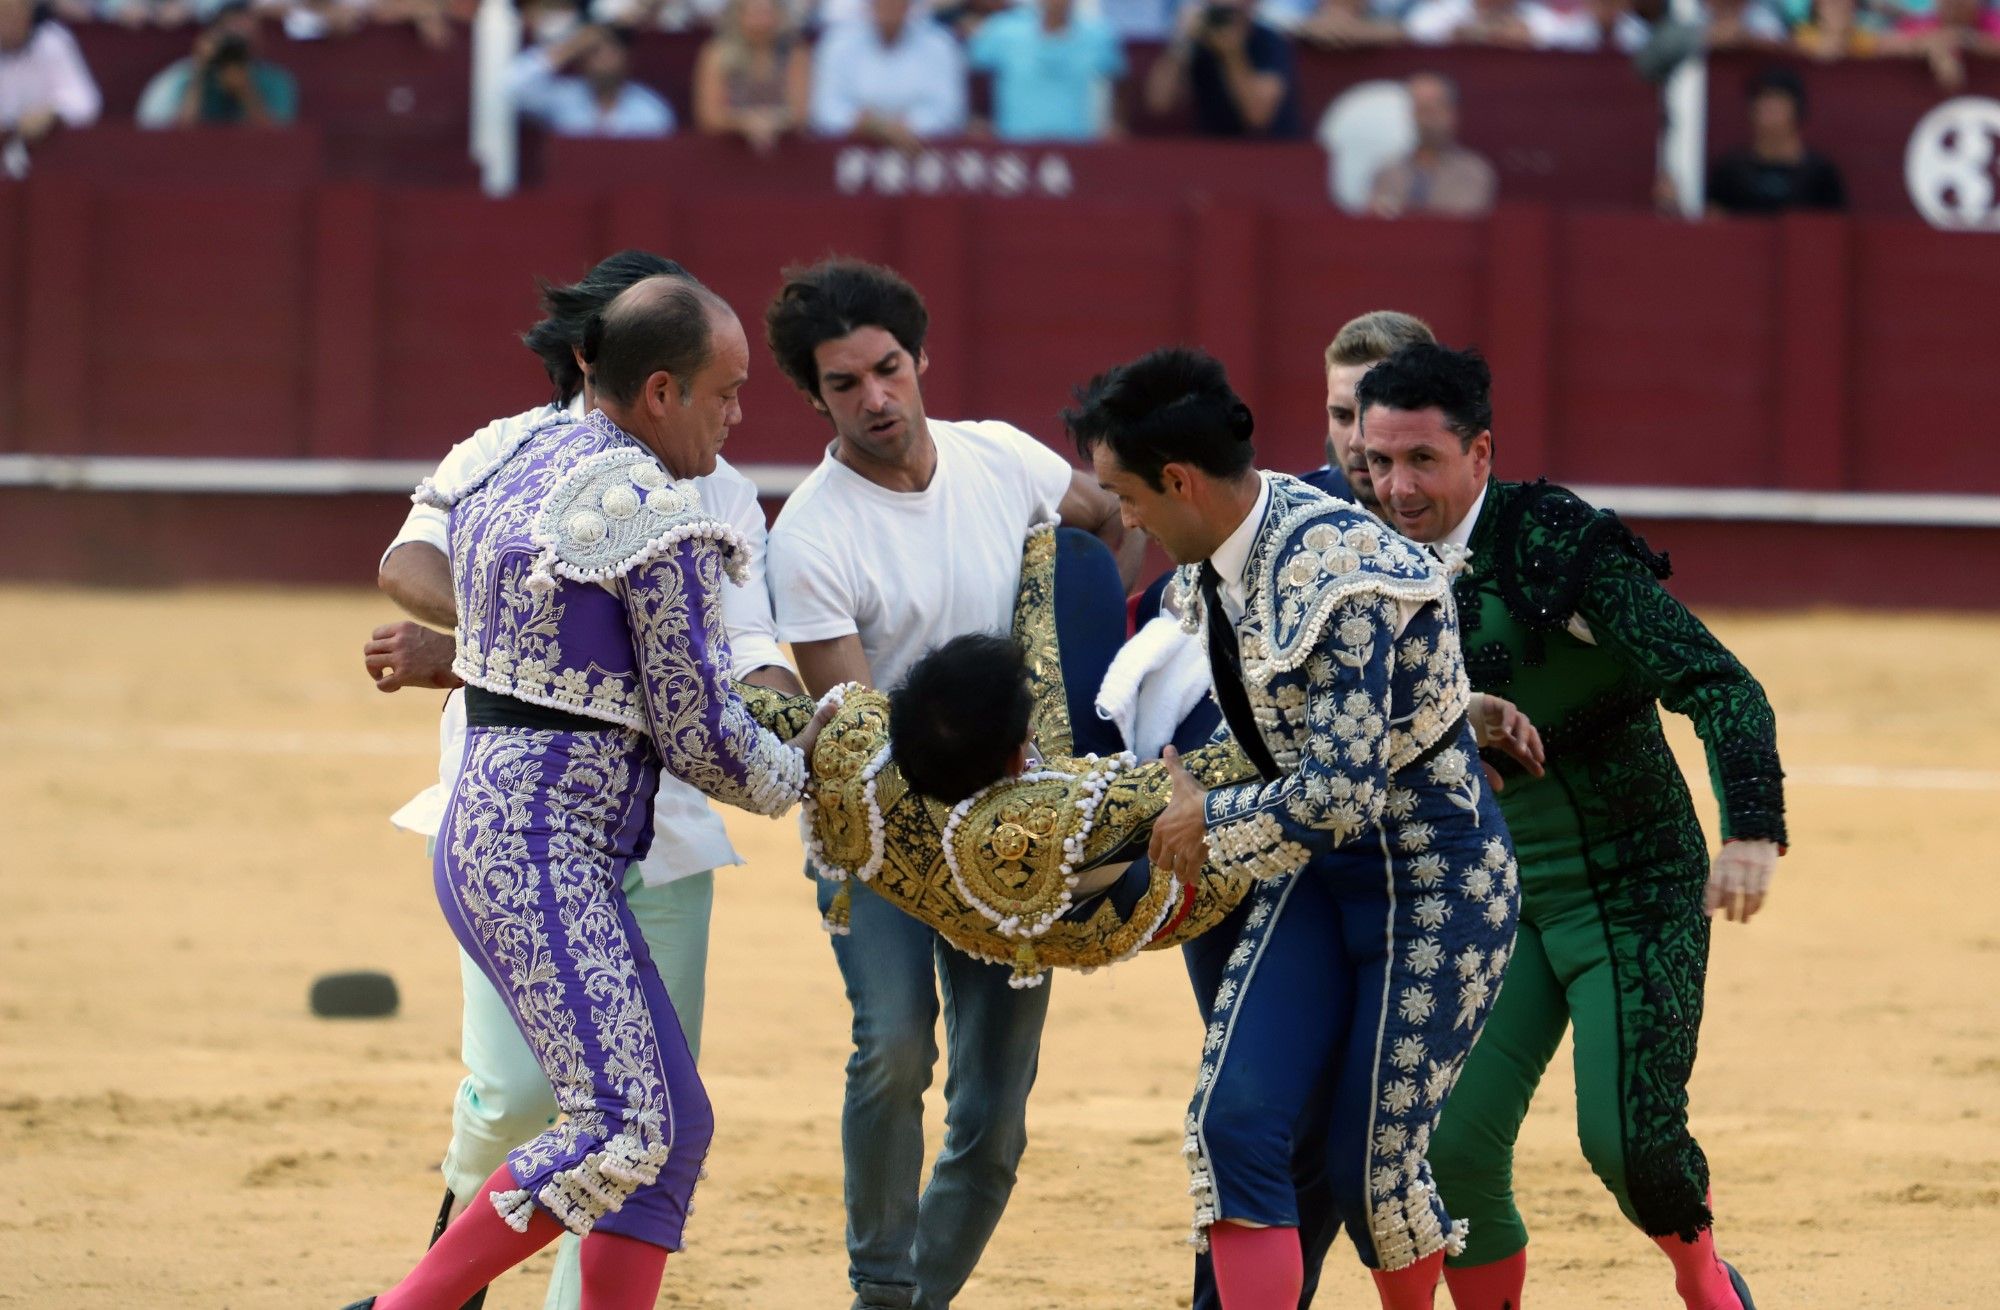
pixel 1784 82
pixel 1173 406
pixel 567 309
pixel 959 715
pixel 831 299
pixel 1430 376
pixel 661 324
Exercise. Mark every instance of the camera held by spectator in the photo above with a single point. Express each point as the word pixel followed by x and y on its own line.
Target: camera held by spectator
pixel 223 81
pixel 1241 74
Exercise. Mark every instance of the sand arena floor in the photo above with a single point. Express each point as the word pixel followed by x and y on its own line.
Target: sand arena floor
pixel 194 789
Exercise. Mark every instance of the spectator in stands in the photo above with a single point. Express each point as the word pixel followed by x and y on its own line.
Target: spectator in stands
pixel 223 82
pixel 1348 25
pixel 753 78
pixel 897 77
pixel 44 82
pixel 1052 72
pixel 582 86
pixel 667 15
pixel 126 13
pixel 1511 24
pixel 1140 20
pixel 1743 25
pixel 1834 30
pixel 1241 74
pixel 1440 178
pixel 546 24
pixel 1778 172
pixel 1944 33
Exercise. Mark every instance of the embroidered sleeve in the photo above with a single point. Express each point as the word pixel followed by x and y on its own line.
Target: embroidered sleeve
pixel 1693 674
pixel 703 730
pixel 1341 782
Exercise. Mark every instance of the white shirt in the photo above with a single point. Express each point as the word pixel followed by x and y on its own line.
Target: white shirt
pixel 688 836
pixel 1233 555
pixel 920 80
pixel 1435 22
pixel 48 73
pixel 1462 534
pixel 909 570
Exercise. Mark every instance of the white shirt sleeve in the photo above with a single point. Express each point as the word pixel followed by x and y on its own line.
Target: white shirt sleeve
pixel 811 595
pixel 1550 30
pixel 1045 475
pixel 432 526
pixel 746 610
pixel 941 111
pixel 73 95
pixel 835 107
pixel 1434 21
pixel 531 79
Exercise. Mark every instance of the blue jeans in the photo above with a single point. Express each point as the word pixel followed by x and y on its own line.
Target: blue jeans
pixel 905 1250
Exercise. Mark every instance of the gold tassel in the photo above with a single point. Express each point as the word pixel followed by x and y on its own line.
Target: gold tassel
pixel 836 913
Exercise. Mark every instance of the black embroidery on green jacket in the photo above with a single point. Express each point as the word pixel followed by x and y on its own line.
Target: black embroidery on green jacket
pixel 1552 557
pixel 1562 610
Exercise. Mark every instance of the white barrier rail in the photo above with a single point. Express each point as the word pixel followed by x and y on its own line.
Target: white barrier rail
pixel 342 477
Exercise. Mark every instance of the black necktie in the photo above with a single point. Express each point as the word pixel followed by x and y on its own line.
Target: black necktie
pixel 1225 668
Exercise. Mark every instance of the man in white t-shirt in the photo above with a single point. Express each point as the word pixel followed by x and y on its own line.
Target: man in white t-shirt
pixel 505 1098
pixel 910 533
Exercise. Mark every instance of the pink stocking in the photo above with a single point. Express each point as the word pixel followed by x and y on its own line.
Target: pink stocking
pixel 620 1273
pixel 1413 1287
pixel 1699 1277
pixel 1495 1285
pixel 476 1248
pixel 1257 1268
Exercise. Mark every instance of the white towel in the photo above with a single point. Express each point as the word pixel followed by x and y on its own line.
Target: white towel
pixel 1153 683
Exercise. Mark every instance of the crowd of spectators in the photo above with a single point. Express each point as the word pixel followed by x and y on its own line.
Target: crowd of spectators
pixel 899 72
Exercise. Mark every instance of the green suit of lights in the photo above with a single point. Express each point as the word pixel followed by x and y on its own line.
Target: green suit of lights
pixel 1562 612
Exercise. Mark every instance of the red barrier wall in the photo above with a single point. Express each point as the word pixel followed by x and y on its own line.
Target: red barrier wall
pixel 356 321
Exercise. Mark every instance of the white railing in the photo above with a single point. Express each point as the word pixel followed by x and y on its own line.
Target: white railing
pixel 337 477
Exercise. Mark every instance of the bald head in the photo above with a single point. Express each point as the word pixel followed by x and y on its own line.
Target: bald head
pixel 667 358
pixel 664 324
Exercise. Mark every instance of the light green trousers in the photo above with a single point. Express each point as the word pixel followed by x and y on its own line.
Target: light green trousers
pixel 505 1099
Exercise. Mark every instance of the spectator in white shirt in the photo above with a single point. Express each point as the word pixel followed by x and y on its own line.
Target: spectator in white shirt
pixel 582 86
pixel 43 79
pixel 898 78
pixel 1515 24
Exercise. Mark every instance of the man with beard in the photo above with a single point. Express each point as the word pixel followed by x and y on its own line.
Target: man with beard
pixel 909 533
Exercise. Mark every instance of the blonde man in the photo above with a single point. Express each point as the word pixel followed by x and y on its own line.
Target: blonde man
pixel 1360 344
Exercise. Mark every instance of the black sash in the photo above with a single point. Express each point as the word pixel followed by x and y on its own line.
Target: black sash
pixel 489 709
pixel 1225 668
